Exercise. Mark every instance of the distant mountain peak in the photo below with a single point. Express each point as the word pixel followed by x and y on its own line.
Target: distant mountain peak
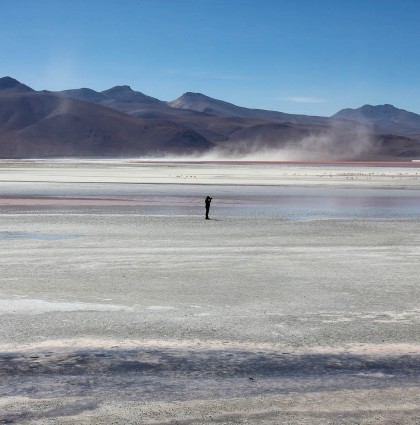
pixel 192 94
pixel 9 83
pixel 126 93
pixel 122 88
pixel 84 93
pixel 386 106
pixel 201 103
pixel 199 97
pixel 386 116
pixel 119 90
pixel 370 111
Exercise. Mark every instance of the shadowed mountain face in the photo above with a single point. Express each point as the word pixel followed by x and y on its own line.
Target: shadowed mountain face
pixel 124 122
pixel 39 124
pixel 11 85
pixel 128 101
pixel 371 133
pixel 383 116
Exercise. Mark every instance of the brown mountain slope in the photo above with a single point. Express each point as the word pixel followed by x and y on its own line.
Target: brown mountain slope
pixel 239 131
pixel 122 122
pixel 124 99
pixel 386 117
pixel 34 124
pixel 11 85
pixel 202 103
pixel 229 125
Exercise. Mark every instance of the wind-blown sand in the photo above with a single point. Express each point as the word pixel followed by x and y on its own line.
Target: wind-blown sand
pixel 298 302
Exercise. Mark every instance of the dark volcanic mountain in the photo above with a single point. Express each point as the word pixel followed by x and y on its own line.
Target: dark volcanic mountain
pixel 383 116
pixel 40 124
pixel 124 122
pixel 11 85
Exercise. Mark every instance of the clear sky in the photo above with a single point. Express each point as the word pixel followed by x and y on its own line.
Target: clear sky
pixel 299 56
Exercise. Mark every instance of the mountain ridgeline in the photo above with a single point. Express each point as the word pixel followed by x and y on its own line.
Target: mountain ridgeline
pixel 121 122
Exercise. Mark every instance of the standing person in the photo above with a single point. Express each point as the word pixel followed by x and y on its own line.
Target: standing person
pixel 208 201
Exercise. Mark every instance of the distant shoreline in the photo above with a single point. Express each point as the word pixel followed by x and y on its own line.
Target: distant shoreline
pixel 409 163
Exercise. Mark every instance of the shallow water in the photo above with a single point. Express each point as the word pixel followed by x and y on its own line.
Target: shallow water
pixel 275 191
pixel 310 208
pixel 286 203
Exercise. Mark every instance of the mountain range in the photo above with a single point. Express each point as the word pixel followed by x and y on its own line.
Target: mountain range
pixel 121 122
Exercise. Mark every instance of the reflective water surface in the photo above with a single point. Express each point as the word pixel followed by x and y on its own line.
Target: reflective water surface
pixel 228 201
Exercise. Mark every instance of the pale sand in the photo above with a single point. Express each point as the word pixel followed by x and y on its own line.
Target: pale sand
pixel 405 175
pixel 387 406
pixel 120 304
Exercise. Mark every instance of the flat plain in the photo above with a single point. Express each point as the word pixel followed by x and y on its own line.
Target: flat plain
pixel 297 303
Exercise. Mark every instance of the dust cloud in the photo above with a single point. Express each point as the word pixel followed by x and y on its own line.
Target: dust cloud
pixel 337 143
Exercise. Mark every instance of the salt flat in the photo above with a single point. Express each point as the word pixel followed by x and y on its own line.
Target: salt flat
pixel 296 303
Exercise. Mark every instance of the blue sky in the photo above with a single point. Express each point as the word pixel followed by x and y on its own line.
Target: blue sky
pixel 299 56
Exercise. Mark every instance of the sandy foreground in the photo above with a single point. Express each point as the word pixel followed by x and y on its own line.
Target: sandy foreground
pixel 297 303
